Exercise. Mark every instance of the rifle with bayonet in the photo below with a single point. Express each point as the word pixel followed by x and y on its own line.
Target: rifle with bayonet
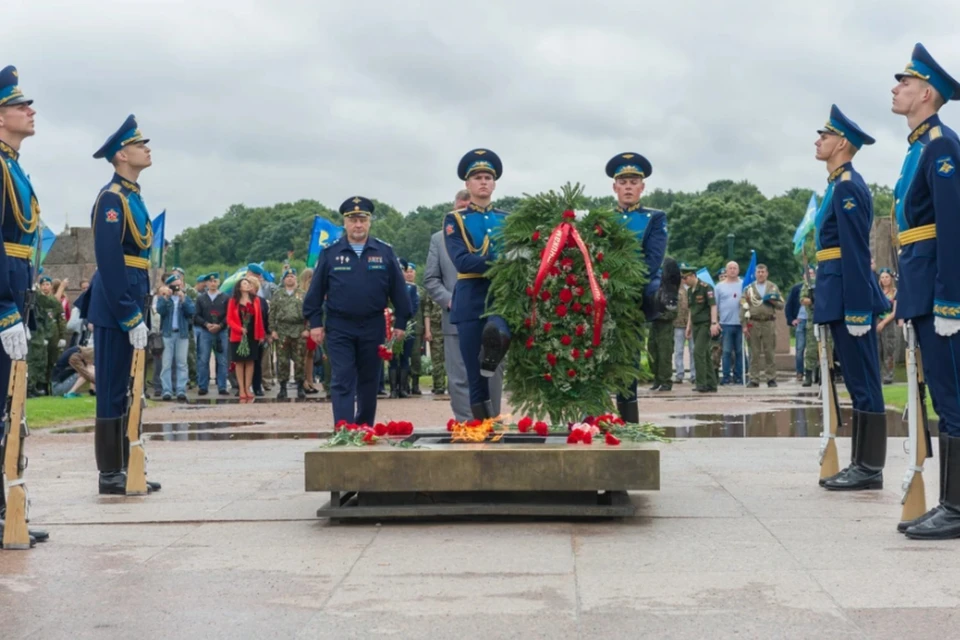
pixel 829 458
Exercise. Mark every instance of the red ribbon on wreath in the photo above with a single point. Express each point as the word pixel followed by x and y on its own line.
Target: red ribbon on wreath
pixel 565 234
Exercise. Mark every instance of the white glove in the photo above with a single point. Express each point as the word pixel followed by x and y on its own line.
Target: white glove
pixel 15 342
pixel 945 326
pixel 29 335
pixel 138 336
pixel 858 330
pixel 61 344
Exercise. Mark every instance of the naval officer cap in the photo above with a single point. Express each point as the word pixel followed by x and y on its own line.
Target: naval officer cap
pixel 923 66
pixel 128 133
pixel 841 125
pixel 10 93
pixel 480 160
pixel 629 164
pixel 356 206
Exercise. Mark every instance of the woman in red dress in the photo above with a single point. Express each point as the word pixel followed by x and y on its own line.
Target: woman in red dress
pixel 245 319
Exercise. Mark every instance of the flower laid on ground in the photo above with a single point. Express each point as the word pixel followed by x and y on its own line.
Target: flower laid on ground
pixel 524 424
pixel 349 434
pixel 394 428
pixel 541 428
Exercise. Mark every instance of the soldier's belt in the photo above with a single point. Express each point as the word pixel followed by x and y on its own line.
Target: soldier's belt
pixel 828 254
pixel 926 232
pixel 470 276
pixel 762 319
pixel 15 250
pixel 136 263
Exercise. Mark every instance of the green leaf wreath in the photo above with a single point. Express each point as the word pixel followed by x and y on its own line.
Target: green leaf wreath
pixel 554 367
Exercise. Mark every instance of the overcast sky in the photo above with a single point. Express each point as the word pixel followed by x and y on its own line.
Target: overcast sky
pixel 256 102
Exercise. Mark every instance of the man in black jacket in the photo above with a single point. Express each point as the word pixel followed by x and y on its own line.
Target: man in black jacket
pixel 211 320
pixel 791 311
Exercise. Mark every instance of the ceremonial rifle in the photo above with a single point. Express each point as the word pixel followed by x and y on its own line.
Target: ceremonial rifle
pixel 914 499
pixel 137 464
pixel 829 459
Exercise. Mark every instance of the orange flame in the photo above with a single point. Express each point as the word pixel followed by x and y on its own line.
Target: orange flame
pixel 462 432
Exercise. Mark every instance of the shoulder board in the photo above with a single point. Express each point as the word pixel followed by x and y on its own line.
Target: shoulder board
pixel 461 210
pixel 936 132
pixel 115 188
pixel 382 242
pixel 846 175
pixel 500 211
pixel 649 210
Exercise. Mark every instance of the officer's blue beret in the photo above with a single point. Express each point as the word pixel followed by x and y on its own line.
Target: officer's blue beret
pixel 629 164
pixel 213 275
pixel 45 279
pixel 255 269
pixel 128 133
pixel 203 278
pixel 356 206
pixel 841 125
pixel 722 272
pixel 10 93
pixel 923 66
pixel 171 279
pixel 685 268
pixel 179 270
pixel 289 272
pixel 412 265
pixel 480 160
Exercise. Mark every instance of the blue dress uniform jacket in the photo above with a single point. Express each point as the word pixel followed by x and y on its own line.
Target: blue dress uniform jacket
pixel 472 237
pixel 348 296
pixel 650 228
pixel 847 291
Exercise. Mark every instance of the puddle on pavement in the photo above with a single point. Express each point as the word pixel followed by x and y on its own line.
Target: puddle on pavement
pixel 264 400
pixel 169 427
pixel 200 436
pixel 796 422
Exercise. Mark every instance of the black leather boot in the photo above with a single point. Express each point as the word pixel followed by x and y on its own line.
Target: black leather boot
pixel 944 523
pixel 301 392
pixel 151 486
pixel 482 410
pixel 392 377
pixel 854 439
pixel 629 411
pixel 282 393
pixel 906 524
pixel 808 378
pixel 415 385
pixel 866 472
pixel 493 347
pixel 108 444
pixel 404 382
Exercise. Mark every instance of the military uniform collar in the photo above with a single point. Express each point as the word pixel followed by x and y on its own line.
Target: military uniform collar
pixel 471 207
pixel 836 173
pixel 9 151
pixel 345 242
pixel 923 128
pixel 126 184
pixel 632 208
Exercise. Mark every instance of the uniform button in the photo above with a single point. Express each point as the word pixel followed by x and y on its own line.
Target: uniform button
pixel 898 201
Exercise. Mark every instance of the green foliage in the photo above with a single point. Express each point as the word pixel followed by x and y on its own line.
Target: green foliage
pixel 538 385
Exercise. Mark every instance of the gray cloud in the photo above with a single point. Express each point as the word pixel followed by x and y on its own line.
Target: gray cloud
pixel 260 102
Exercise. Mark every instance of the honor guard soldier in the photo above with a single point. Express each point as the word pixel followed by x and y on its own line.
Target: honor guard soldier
pixel 473 239
pixel 117 303
pixel 926 202
pixel 19 220
pixel 629 172
pixel 848 298
pixel 353 281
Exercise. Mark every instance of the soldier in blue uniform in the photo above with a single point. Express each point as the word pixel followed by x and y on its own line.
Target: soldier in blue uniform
pixel 629 172
pixel 848 298
pixel 352 283
pixel 473 239
pixel 926 203
pixel 118 296
pixel 19 218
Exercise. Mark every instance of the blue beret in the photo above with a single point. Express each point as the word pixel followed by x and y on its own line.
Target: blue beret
pixel 171 279
pixel 213 275
pixel 412 265
pixel 10 93
pixel 923 66
pixel 45 279
pixel 128 133
pixel 842 126
pixel 289 272
pixel 255 269
pixel 356 206
pixel 179 270
pixel 480 160
pixel 629 164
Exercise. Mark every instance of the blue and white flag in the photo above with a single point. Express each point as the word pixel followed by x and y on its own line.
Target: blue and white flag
pixel 751 273
pixel 324 234
pixel 156 251
pixel 808 223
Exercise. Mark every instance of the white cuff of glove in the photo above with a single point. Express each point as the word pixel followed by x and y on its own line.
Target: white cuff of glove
pixel 945 326
pixel 858 330
pixel 14 341
pixel 61 344
pixel 138 336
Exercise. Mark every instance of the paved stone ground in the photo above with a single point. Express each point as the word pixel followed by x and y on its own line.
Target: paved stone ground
pixel 740 542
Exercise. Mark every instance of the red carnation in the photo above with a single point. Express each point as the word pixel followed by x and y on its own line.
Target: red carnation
pixel 577 307
pixel 340 424
pixel 566 296
pixel 541 429
pixel 611 439
pixel 598 230
pixel 535 236
pixel 574 436
pixel 606 275
pixel 600 257
pixel 529 292
pixel 406 428
pixel 569 215
pixel 587 437
pixel 368 437
pixel 451 423
pixel 571 279
pixel 547 377
pixel 530 342
pixel 590 420
pixel 544 295
pixel 580 329
pixel 566 340
pixel 588 353
pixel 474 423
pixel 380 429
pixel 571 373
pixel 524 424
pixel 528 323
pixel 578 291
pixel 566 264
pixel 554 271
pixel 588 309
pixel 393 428
pixel 575 354
pixel 561 310
pixel 552 359
pixel 547 326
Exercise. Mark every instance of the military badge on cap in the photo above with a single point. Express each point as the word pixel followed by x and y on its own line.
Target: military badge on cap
pixel 686 269
pixel 128 133
pixel 10 93
pixel 480 160
pixel 629 164
pixel 923 66
pixel 356 206
pixel 841 125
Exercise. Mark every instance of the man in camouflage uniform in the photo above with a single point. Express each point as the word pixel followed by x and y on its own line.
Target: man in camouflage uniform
pixel 50 326
pixel 758 312
pixel 432 319
pixel 416 359
pixel 702 325
pixel 289 332
pixel 660 350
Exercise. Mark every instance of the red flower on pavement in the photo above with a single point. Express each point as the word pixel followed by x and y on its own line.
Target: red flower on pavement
pixel 575 354
pixel 577 307
pixel 611 439
pixel 451 423
pixel 571 280
pixel 369 437
pixel 566 340
pixel 569 215
pixel 561 310
pixel 547 326
pixel 530 342
pixel 587 437
pixel 571 373
pixel 566 296
pixel 552 359
pixel 574 436
pixel 524 424
pixel 535 236
pixel 541 428
pixel 544 295
pixel 380 429
pixel 580 329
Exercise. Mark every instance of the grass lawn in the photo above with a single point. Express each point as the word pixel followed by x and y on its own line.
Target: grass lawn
pixel 895 395
pixel 49 412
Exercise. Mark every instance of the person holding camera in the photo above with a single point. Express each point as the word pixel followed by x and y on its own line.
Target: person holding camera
pixel 176 319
